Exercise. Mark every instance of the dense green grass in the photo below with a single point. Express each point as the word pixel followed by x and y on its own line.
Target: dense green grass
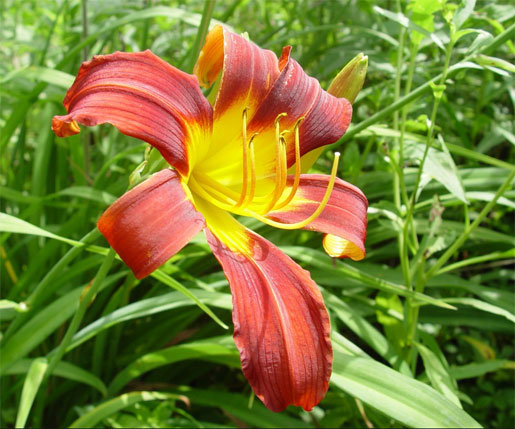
pixel 422 328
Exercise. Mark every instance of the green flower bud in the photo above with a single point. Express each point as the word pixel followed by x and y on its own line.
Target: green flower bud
pixel 350 80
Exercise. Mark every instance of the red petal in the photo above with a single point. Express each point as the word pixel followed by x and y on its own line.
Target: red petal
pixel 248 71
pixel 150 223
pixel 255 79
pixel 326 118
pixel 144 97
pixel 281 326
pixel 345 214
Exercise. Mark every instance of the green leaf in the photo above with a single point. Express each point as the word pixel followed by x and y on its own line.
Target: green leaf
pixel 406 400
pixel 169 281
pixel 220 350
pixel 440 166
pixel 51 76
pixel 63 369
pixel 462 14
pixel 319 259
pixel 147 307
pixel 477 369
pixel 484 306
pixel 96 415
pixel 30 389
pixel 485 60
pixel 366 332
pixel 237 405
pixel 10 223
pixel 438 375
pixel 39 327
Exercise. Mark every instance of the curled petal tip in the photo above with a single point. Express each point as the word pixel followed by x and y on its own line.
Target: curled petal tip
pixel 64 127
pixel 338 247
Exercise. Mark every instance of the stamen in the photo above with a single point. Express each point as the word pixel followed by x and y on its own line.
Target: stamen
pixel 245 162
pixel 280 167
pixel 252 159
pixel 316 213
pixel 201 190
pixel 296 180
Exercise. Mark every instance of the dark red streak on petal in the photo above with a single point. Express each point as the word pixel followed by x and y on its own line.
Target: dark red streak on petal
pixel 150 223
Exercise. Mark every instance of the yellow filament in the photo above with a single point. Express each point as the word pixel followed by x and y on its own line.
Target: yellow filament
pixel 280 167
pixel 280 178
pixel 250 196
pixel 296 181
pixel 201 190
pixel 245 162
pixel 316 213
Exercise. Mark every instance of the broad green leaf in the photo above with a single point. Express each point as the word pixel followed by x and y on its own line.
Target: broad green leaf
pixel 220 350
pixel 10 223
pixel 485 60
pixel 51 76
pixel 147 307
pixel 440 166
pixel 477 369
pixel 407 23
pixel 39 327
pixel 65 370
pixel 30 389
pixel 483 306
pixel 408 401
pixel 88 193
pixel 438 375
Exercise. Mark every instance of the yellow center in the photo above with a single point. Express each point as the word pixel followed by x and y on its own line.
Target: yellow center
pixel 246 202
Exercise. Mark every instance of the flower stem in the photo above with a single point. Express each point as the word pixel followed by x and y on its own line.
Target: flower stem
pixel 201 33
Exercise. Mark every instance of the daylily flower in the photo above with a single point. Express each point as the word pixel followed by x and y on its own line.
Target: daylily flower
pixel 232 158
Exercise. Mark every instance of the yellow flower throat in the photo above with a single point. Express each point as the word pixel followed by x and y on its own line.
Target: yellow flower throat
pixel 239 203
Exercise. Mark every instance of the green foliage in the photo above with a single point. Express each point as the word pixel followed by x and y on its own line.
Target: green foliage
pixel 422 328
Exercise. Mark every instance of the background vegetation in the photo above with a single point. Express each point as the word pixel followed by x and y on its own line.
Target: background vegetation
pixel 422 328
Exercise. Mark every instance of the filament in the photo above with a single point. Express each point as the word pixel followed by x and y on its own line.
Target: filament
pixel 245 162
pixel 296 180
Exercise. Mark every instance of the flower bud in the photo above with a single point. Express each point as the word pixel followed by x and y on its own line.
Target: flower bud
pixel 350 80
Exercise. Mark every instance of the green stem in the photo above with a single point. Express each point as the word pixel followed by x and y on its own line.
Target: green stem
pixel 465 234
pixel 413 310
pixel 201 33
pixel 404 114
pixel 396 95
pixel 402 238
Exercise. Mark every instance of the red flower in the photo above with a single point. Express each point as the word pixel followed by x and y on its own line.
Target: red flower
pixel 232 157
